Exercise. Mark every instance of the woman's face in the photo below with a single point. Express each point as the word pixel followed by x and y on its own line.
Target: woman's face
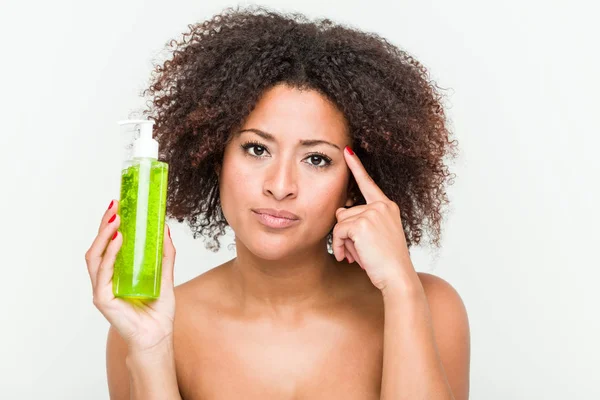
pixel 292 161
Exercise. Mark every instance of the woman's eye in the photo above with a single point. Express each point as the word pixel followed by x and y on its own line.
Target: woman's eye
pixel 316 161
pixel 258 150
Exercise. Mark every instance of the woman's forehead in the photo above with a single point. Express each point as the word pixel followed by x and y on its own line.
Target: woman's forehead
pixel 291 114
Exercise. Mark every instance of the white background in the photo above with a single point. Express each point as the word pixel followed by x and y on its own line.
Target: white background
pixel 518 244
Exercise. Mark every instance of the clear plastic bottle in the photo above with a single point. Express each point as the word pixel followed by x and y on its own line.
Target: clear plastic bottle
pixel 142 206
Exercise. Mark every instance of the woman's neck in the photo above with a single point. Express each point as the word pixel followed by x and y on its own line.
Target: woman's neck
pixel 285 286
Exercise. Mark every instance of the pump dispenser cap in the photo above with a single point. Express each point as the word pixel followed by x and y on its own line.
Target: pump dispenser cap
pixel 144 146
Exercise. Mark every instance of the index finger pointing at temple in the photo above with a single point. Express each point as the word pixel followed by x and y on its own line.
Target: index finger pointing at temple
pixel 366 184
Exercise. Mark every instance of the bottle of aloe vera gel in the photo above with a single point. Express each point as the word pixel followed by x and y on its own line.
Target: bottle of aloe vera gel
pixel 138 266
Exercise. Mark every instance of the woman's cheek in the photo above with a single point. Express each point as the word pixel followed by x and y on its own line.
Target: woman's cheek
pixel 234 189
pixel 242 184
pixel 328 194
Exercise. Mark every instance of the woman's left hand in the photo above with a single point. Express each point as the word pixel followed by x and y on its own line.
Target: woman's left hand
pixel 372 234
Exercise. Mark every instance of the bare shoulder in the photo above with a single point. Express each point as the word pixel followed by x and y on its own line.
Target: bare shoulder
pixel 202 302
pixel 438 288
pixel 451 331
pixel 209 286
pixel 447 308
pixel 201 305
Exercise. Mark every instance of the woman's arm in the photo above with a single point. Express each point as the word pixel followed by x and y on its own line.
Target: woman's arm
pixel 426 342
pixel 426 333
pixel 152 375
pixel 133 376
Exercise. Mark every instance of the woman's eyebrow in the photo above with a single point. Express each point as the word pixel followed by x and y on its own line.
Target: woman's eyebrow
pixel 270 137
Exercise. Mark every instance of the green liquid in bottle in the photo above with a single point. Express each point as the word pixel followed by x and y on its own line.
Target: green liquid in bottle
pixel 138 266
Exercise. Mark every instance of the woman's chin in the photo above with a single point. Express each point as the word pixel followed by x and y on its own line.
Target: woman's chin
pixel 270 248
pixel 270 251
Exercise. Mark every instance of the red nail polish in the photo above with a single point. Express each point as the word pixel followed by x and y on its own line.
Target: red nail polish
pixel 112 218
pixel 111 204
pixel 115 235
pixel 169 231
pixel 349 150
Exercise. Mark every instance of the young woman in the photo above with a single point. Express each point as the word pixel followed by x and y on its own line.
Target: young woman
pixel 322 148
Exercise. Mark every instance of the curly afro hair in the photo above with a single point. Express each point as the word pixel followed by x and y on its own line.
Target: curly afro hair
pixel 220 69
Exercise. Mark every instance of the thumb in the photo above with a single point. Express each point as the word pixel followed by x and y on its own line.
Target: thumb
pixel 168 261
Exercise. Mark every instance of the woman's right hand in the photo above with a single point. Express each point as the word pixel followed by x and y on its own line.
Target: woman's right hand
pixel 143 324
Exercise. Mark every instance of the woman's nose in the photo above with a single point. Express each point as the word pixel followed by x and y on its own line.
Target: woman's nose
pixel 281 181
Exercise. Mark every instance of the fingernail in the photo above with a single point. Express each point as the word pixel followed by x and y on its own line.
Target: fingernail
pixel 349 150
pixel 168 230
pixel 112 218
pixel 115 235
pixel 111 204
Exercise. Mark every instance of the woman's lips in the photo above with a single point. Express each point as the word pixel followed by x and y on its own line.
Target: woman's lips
pixel 276 213
pixel 274 222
